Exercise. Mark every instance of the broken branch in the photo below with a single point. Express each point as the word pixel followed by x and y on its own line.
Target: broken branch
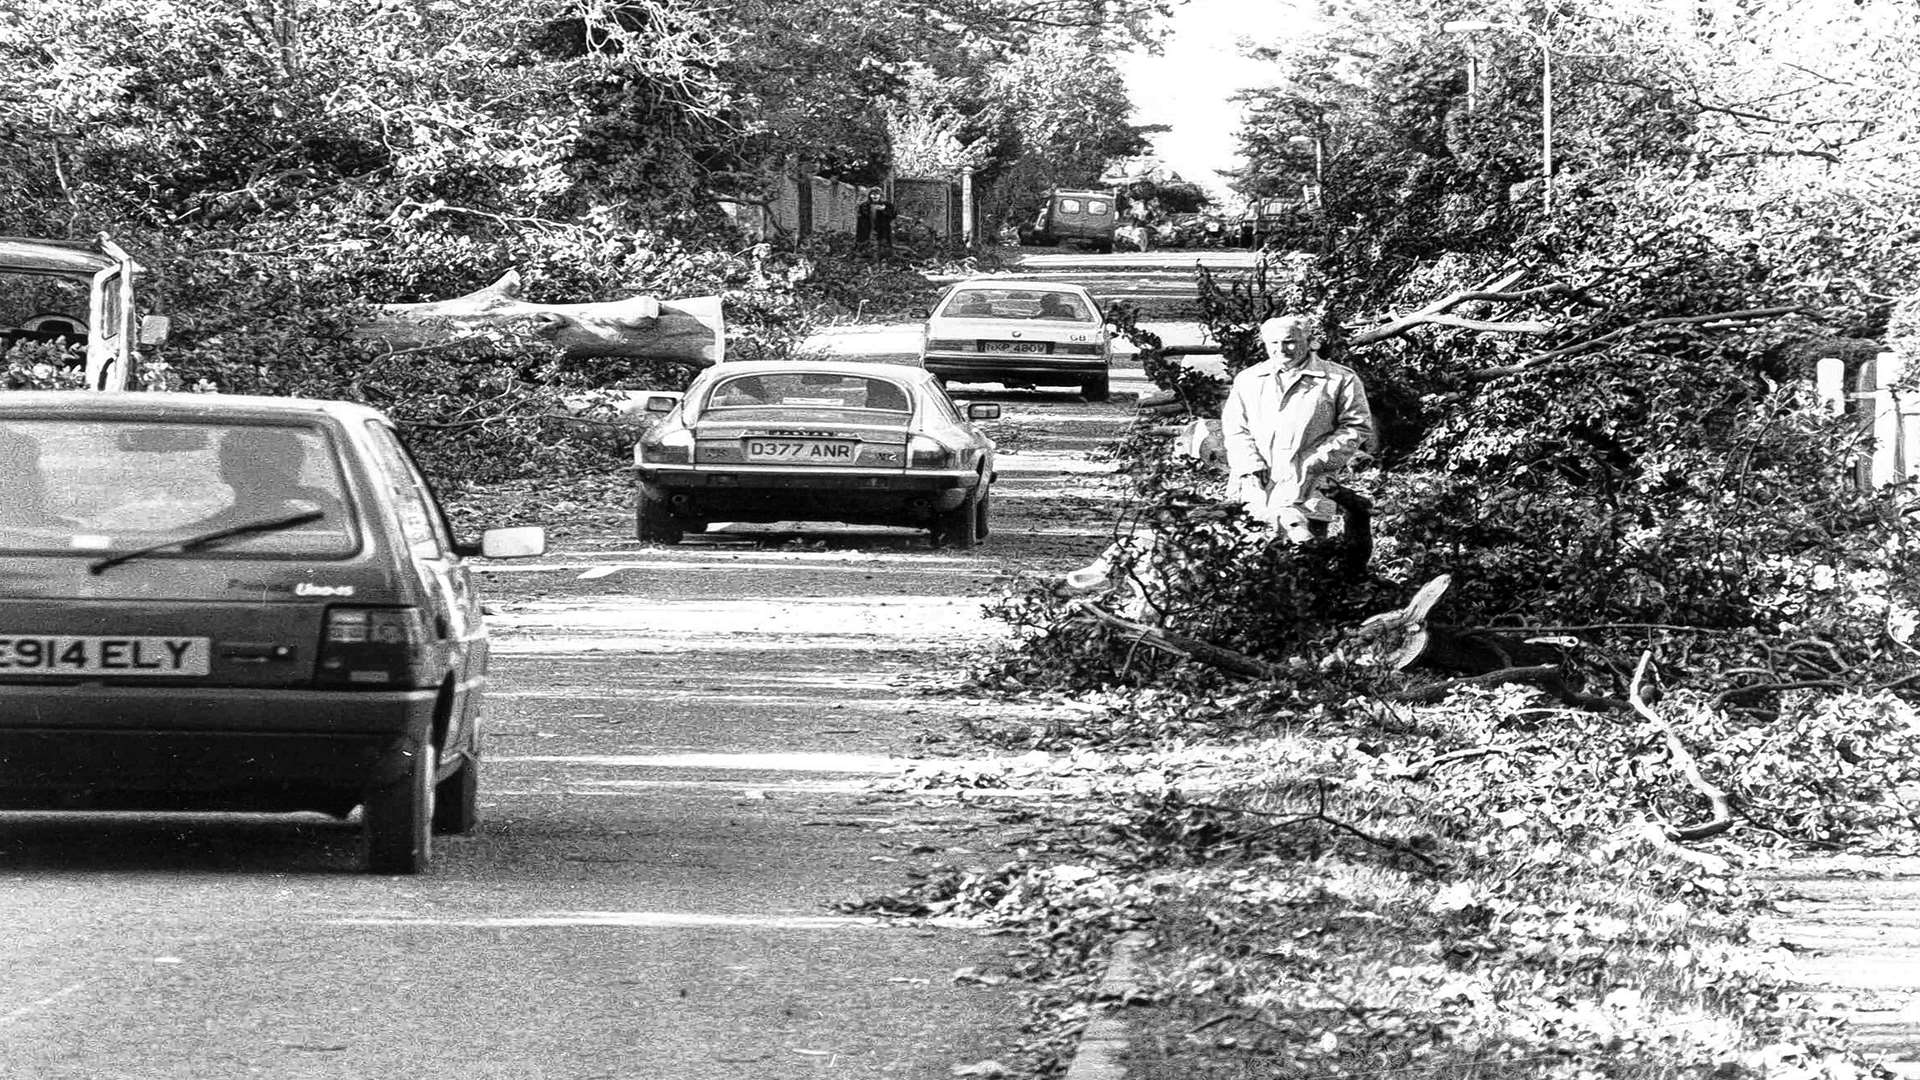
pixel 1722 814
pixel 1749 315
pixel 1180 645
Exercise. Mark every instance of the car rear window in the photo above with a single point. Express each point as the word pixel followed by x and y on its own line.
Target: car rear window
pixel 809 389
pixel 1069 206
pixel 1047 304
pixel 92 485
pixel 1096 207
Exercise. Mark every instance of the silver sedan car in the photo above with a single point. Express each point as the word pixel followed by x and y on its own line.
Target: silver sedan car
pixel 802 440
pixel 1020 333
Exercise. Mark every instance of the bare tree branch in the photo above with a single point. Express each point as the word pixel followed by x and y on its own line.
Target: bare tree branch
pixel 1726 317
pixel 1722 814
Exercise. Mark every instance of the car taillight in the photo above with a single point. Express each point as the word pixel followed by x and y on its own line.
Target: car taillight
pixel 949 345
pixel 672 448
pixel 381 647
pixel 925 453
pixel 1077 350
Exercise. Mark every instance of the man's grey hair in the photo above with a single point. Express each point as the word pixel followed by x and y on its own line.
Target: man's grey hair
pixel 1283 326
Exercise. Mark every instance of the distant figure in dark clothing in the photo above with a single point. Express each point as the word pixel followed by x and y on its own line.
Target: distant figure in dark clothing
pixel 873 220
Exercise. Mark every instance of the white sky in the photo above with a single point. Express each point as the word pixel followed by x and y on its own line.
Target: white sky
pixel 1189 83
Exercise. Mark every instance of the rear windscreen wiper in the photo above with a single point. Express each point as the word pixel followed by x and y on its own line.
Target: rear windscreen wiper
pixel 191 543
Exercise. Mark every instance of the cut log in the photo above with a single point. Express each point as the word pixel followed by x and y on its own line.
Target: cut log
pixel 689 331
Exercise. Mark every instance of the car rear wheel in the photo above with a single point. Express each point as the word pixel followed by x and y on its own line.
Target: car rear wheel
pixel 399 816
pixel 652 523
pixel 958 527
pixel 456 800
pixel 981 527
pixel 1098 388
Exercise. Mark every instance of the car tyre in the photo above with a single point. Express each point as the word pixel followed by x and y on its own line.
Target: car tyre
pixel 399 816
pixel 456 800
pixel 653 525
pixel 958 527
pixel 1098 388
pixel 982 528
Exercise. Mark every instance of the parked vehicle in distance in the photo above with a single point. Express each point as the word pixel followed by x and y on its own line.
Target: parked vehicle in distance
pixel 1085 217
pixel 77 295
pixel 807 440
pixel 1019 334
pixel 213 602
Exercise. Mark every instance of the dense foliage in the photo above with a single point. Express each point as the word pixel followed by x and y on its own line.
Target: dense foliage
pixel 281 167
pixel 1595 415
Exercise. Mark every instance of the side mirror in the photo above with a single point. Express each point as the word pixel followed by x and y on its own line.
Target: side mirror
pixel 661 403
pixel 519 542
pixel 154 329
pixel 981 410
pixel 919 313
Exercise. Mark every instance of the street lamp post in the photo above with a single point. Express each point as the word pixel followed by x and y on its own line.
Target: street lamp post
pixel 1464 26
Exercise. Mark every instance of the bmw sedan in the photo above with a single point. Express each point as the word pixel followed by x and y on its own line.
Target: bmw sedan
pixel 1019 334
pixel 801 440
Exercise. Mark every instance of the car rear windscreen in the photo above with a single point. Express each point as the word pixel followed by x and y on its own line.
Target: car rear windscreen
pixel 810 389
pixel 1017 304
pixel 89 485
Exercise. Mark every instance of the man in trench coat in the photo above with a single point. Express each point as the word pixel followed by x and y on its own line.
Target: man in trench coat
pixel 1291 422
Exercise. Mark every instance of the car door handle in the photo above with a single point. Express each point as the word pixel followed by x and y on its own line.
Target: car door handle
pixel 257 652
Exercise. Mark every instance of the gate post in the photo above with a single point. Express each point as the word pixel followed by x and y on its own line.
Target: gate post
pixel 1893 459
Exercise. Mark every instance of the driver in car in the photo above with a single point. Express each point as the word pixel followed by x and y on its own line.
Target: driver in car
pixel 262 467
pixel 1056 306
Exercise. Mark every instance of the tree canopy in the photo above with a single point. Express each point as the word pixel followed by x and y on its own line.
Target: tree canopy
pixel 1594 411
pixel 280 165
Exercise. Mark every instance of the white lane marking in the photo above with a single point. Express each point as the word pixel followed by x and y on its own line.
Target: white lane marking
pixel 870 764
pixel 844 561
pixel 885 624
pixel 8 1018
pixel 598 572
pixel 738 789
pixel 732 788
pixel 882 694
pixel 590 644
pixel 643 920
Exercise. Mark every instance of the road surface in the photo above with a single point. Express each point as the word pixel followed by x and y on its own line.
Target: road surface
pixel 679 793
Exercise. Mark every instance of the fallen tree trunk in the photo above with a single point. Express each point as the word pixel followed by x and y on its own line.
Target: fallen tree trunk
pixel 690 331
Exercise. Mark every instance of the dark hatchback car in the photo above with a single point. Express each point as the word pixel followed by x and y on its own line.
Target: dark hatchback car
pixel 230 603
pixel 804 440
